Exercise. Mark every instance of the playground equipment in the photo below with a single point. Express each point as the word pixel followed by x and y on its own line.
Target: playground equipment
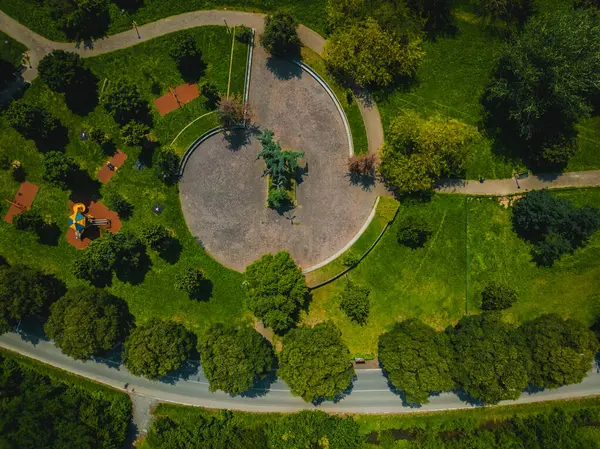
pixel 80 221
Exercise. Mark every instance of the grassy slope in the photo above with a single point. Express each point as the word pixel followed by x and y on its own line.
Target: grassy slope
pixel 37 17
pixel 430 283
pixel 156 296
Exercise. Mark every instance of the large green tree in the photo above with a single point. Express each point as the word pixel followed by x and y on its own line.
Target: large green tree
pixel 281 34
pixel 59 169
pixel 276 290
pixel 31 121
pixel 25 292
pixel 489 363
pixel 554 225
pixel 60 70
pixel 234 358
pixel 315 362
pixel 81 19
pixel 368 55
pixel 508 14
pixel 156 348
pixel 87 322
pixel 559 351
pixel 543 83
pixel 417 359
pixel 417 152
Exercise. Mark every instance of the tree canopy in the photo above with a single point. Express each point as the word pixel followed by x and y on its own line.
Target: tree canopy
pixel 87 322
pixel 156 348
pixel 281 34
pixel 234 358
pixel 543 82
pixel 25 292
pixel 276 290
pixel 39 411
pixel 166 166
pixel 371 56
pixel 559 351
pixel 417 359
pixel 510 14
pixel 59 169
pixel 417 152
pixel 81 19
pixel 315 363
pixel 488 359
pixel 553 224
pixel 122 253
pixel 31 121
pixel 60 70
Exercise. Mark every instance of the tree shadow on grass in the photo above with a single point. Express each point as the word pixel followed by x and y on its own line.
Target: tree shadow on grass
pixel 204 292
pixel 147 153
pixel 83 186
pixel 135 276
pixel 82 98
pixel 56 140
pixel 108 148
pixel 283 69
pixel 171 251
pixel 192 68
pixel 49 234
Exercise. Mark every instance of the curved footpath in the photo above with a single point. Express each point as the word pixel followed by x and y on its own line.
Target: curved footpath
pixel 370 393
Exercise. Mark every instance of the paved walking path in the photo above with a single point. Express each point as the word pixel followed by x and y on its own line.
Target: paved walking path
pixel 511 185
pixel 40 46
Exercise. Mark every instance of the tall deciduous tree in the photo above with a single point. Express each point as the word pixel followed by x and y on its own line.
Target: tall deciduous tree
pixel 26 292
pixel 355 303
pixel 60 69
pixel 315 363
pixel 87 322
pixel 488 358
pixel 59 169
pixel 417 151
pixel 276 290
pixel 32 122
pixel 368 55
pixel 543 82
pixel 233 359
pixel 81 19
pixel 156 348
pixel 511 13
pixel 281 34
pixel 417 359
pixel 559 351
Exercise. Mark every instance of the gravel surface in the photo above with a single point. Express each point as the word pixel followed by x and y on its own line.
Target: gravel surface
pixel 223 193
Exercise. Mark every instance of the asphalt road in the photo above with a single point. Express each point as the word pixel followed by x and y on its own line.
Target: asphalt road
pixel 370 393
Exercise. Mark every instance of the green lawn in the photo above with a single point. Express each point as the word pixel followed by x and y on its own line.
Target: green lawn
pixel 451 81
pixel 37 15
pixel 145 65
pixel 431 282
pixel 10 49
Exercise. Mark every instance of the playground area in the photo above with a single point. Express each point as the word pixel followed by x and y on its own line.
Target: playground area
pixel 22 200
pixel 176 98
pixel 88 220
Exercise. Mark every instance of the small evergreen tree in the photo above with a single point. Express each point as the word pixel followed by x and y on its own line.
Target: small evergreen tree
pixel 281 34
pixel 355 303
pixel 497 296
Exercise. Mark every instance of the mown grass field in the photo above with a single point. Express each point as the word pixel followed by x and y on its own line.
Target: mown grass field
pixel 144 65
pixel 432 282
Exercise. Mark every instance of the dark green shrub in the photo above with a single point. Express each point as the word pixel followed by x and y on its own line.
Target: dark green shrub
pixel 351 259
pixel 155 236
pixel 413 231
pixel 497 296
pixel 124 102
pixel 190 281
pixel 243 34
pixel 60 69
pixel 278 198
pixel 134 133
pixel 58 169
pixel 166 166
pixel 355 303
pixel 120 205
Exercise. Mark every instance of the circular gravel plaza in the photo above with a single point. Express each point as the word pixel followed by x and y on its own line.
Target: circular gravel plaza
pixel 223 193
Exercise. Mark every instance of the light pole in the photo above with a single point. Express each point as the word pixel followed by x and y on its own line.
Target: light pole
pixel 132 23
